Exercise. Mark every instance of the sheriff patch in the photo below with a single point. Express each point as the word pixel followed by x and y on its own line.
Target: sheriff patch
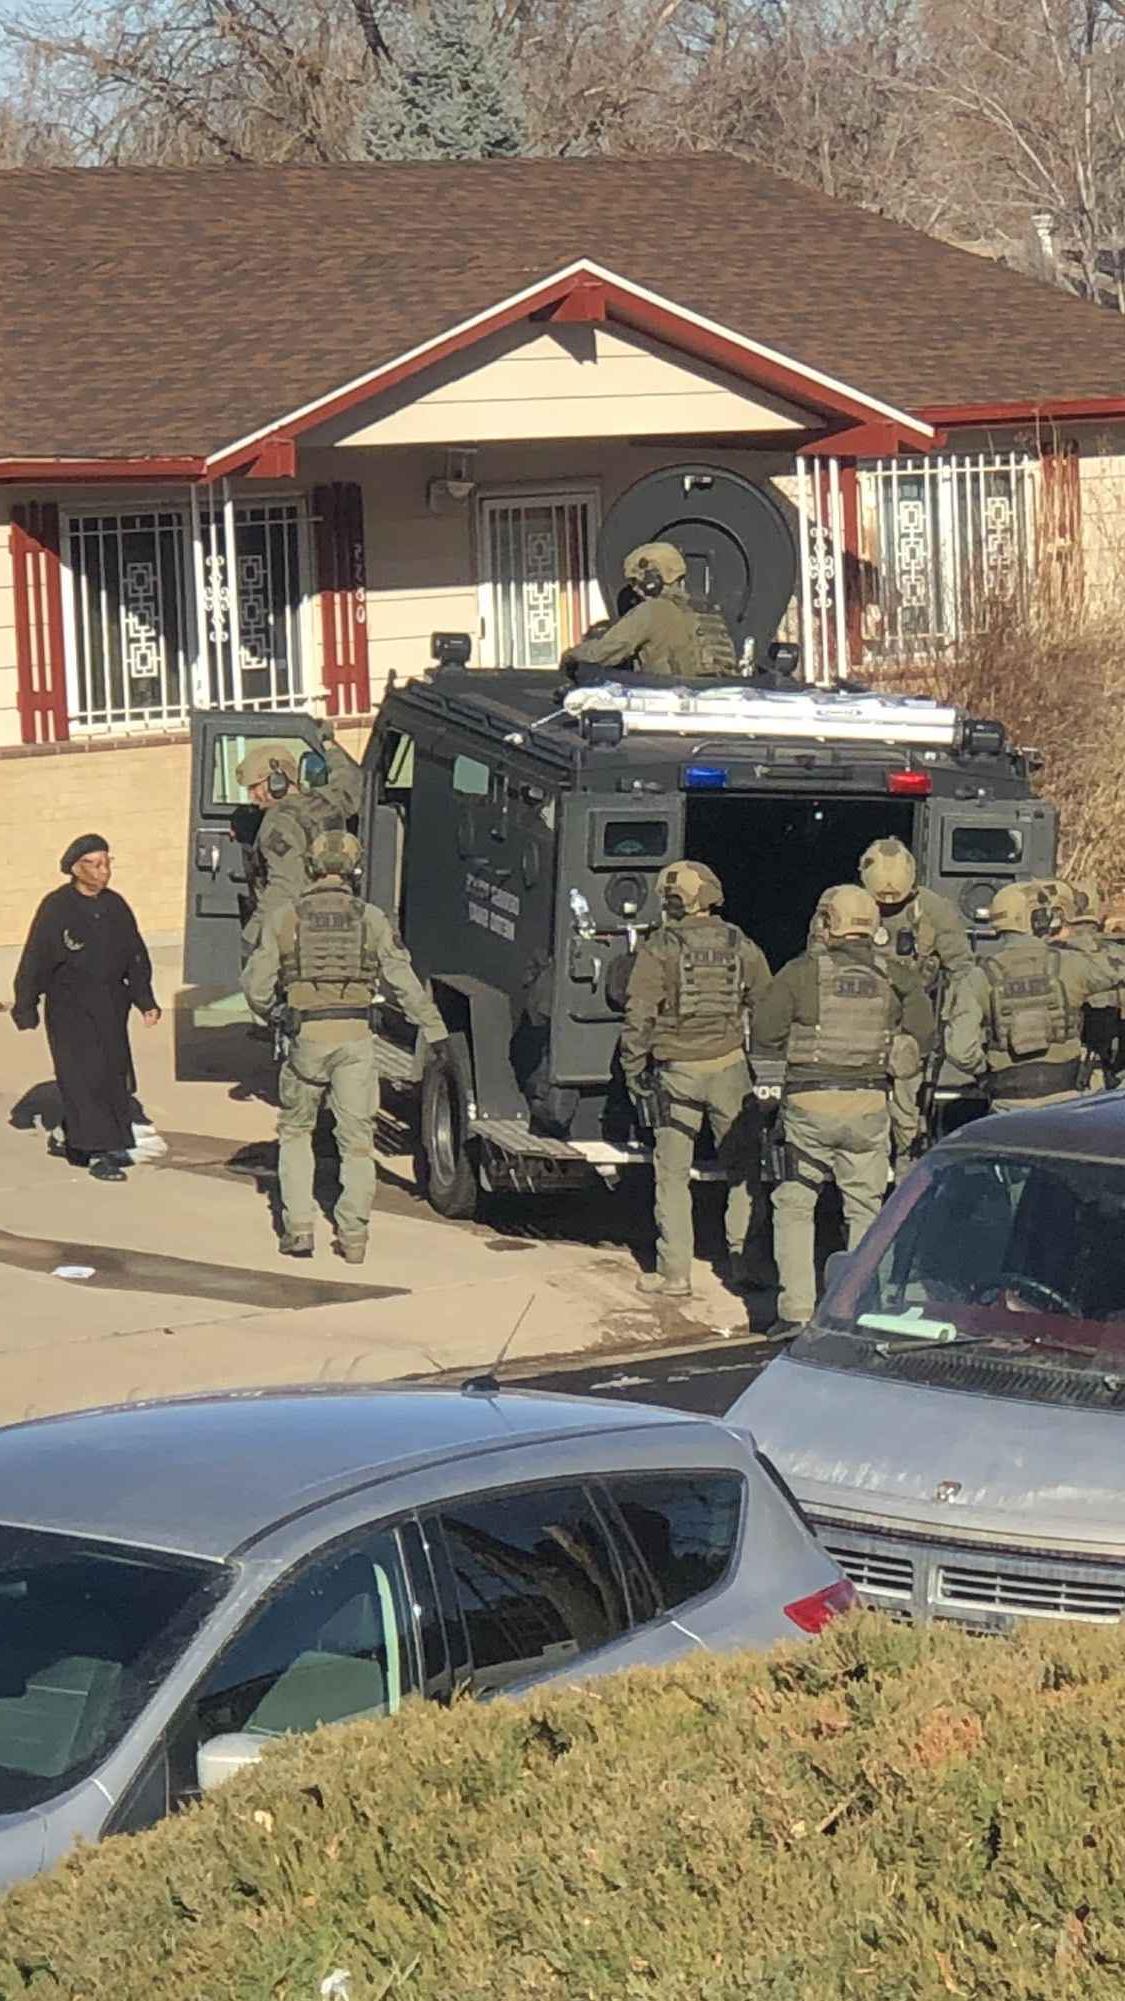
pixel 277 843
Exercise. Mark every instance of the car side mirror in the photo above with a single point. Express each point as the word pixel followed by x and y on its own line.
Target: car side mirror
pixel 835 1265
pixel 221 1757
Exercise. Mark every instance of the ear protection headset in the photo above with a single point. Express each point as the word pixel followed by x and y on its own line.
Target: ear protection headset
pixel 1041 919
pixel 277 785
pixel 650 583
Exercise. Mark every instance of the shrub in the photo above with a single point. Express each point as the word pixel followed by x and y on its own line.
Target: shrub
pixel 893 1814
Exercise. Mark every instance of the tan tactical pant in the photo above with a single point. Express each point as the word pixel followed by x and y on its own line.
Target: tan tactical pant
pixel 717 1091
pixel 906 1121
pixel 348 1072
pixel 840 1136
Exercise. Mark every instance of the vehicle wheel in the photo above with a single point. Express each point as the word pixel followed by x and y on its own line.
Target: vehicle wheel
pixel 452 1182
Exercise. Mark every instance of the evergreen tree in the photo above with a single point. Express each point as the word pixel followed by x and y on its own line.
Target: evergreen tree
pixel 453 90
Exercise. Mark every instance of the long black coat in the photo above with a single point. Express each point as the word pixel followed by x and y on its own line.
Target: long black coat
pixel 86 958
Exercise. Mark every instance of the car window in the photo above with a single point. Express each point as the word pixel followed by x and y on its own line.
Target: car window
pixel 536 1578
pixel 332 1642
pixel 471 778
pixel 684 1527
pixel 87 1631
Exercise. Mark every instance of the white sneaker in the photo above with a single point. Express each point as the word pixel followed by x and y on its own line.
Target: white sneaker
pixel 147 1146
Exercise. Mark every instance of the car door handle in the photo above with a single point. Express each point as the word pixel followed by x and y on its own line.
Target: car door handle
pixel 209 854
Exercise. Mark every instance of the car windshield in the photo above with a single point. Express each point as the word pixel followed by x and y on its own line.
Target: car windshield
pixel 88 1630
pixel 981 1248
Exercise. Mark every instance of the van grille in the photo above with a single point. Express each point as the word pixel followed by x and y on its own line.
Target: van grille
pixel 1065 1597
pixel 876 1570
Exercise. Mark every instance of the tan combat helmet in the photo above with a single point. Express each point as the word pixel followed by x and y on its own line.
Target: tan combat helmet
pixel 1011 907
pixel 265 760
pixel 691 885
pixel 887 869
pixel 1088 898
pixel 334 853
pixel 653 566
pixel 846 912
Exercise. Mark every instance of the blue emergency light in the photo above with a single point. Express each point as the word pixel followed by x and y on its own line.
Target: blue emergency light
pixel 705 777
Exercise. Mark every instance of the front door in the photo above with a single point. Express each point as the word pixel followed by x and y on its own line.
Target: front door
pixel 221 831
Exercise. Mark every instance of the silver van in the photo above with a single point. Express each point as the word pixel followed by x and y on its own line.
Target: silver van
pixel 952 1420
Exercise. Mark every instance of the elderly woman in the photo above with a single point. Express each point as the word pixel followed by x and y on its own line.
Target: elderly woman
pixel 85 956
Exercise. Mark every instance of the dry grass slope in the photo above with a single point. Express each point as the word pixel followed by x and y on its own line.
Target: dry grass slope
pixel 889 1814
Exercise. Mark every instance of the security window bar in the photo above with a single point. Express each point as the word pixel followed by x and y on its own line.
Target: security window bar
pixel 538 594
pixel 253 633
pixel 953 539
pixel 127 619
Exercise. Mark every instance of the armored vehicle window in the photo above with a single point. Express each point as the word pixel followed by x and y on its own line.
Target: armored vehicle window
pixel 228 754
pixel 398 765
pixel 471 778
pixel 987 847
pixel 632 840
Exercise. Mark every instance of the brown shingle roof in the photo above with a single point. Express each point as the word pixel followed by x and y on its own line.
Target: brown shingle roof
pixel 148 311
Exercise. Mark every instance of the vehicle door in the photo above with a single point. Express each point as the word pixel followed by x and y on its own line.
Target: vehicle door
pixel 222 830
pixel 348 1632
pixel 969 848
pixel 610 854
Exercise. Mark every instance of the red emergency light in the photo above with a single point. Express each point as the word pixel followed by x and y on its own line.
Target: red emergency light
pixel 909 784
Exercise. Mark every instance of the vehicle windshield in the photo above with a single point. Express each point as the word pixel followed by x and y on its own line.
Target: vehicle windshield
pixel 979 1247
pixel 88 1630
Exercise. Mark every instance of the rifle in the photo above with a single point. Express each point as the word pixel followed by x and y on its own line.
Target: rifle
pixel 650 1099
pixel 932 1068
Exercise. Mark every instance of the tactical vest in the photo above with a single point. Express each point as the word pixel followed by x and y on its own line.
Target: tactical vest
pixel 850 1042
pixel 717 657
pixel 324 968
pixel 1030 1017
pixel 708 967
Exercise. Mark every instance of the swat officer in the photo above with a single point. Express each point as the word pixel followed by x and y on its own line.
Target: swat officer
pixel 1015 1020
pixel 839 1014
pixel 917 924
pixel 1079 905
pixel 663 632
pixel 324 957
pixel 694 982
pixel 291 819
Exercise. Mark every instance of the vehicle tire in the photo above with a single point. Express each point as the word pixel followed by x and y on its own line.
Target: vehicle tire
pixel 452 1180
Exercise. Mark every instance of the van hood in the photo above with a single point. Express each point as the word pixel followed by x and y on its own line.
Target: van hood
pixel 862 1450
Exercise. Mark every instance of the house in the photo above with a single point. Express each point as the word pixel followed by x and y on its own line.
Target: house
pixel 264 429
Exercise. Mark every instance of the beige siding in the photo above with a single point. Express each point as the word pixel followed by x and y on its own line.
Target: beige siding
pixel 567 382
pixel 1102 487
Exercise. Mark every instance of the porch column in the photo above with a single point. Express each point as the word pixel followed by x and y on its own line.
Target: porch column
pixel 824 619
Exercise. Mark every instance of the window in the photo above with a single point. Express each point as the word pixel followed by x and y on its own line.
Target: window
pixel 950 536
pixel 628 840
pixel 537 588
pixel 684 1526
pixel 471 778
pixel 536 1580
pixel 87 1630
pixel 398 766
pixel 331 1643
pixel 143 595
pixel 228 755
pixel 986 847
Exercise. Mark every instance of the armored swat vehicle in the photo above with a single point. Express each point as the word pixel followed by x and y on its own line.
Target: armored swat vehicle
pixel 514 827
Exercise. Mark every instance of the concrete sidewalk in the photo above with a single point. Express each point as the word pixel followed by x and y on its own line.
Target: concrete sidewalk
pixel 188 1292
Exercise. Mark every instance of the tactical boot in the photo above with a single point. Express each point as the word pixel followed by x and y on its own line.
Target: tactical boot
pixel 353 1250
pixel 296 1244
pixel 782 1329
pixel 657 1286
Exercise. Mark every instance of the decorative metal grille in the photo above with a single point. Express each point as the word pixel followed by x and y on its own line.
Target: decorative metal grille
pixel 134 630
pixel 127 619
pixel 952 538
pixel 538 593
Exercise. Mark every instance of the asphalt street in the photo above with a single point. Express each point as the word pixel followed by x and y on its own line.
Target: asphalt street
pixel 699 1378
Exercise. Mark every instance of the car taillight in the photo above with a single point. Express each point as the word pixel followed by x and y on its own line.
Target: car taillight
pixel 813 1614
pixel 909 784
